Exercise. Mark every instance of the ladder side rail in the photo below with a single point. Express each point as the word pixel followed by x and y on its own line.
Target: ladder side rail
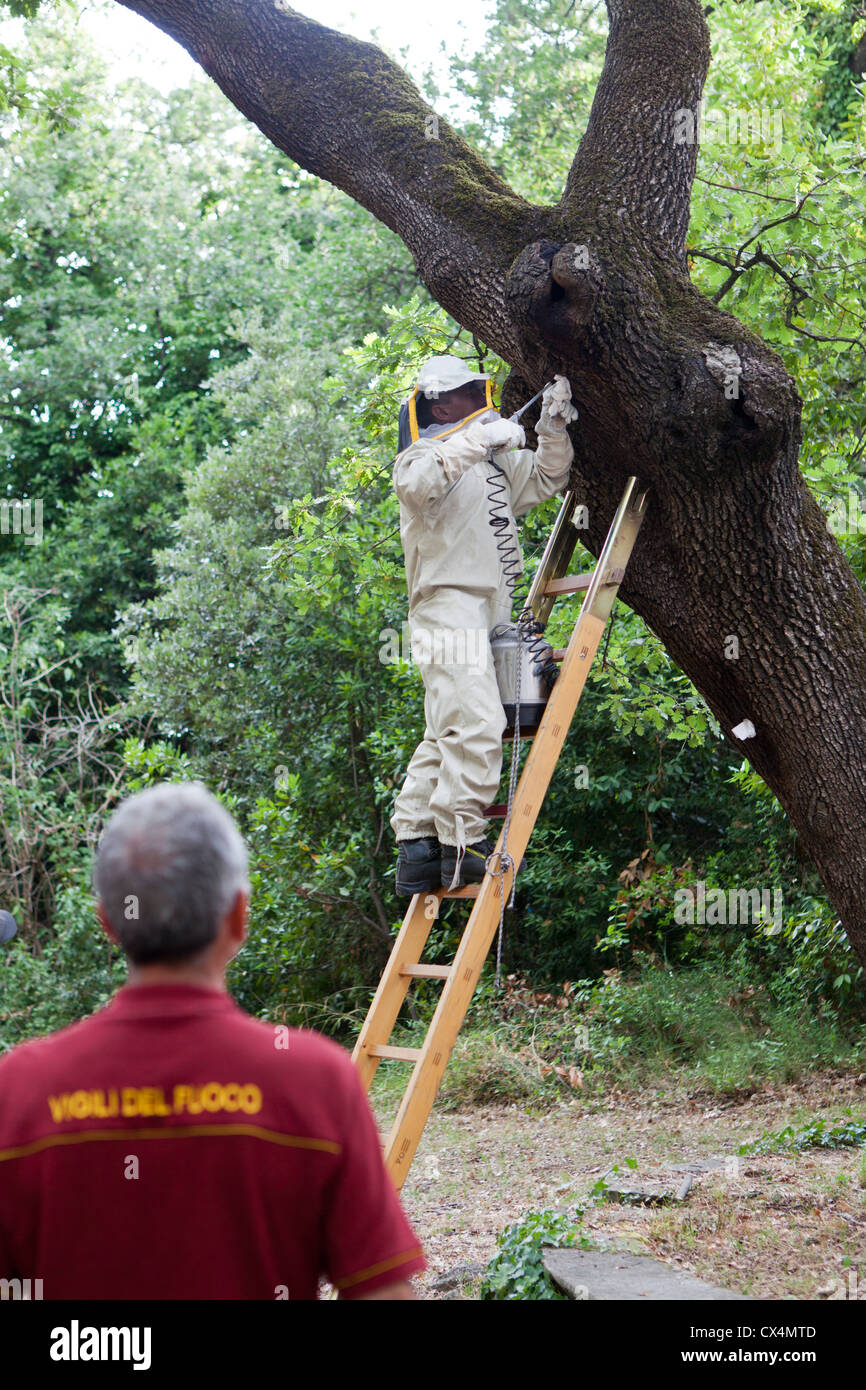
pixel 555 559
pixel 393 987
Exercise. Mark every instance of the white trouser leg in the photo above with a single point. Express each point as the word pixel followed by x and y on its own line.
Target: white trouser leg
pixel 412 818
pixel 455 771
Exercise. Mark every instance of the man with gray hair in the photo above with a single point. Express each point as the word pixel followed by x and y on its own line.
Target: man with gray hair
pixel 170 1146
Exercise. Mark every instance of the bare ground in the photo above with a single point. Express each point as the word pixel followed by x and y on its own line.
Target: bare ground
pixel 783 1226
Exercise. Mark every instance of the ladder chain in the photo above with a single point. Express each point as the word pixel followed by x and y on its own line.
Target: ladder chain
pixel 528 633
pixel 506 862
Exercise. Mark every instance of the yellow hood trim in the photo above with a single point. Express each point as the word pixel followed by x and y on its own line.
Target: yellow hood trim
pixel 413 414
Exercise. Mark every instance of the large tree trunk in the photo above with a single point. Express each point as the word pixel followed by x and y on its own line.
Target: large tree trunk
pixel 669 387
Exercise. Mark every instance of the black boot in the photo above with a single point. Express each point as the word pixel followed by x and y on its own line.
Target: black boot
pixel 419 866
pixel 471 867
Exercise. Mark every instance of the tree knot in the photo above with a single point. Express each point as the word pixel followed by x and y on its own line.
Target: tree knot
pixel 552 290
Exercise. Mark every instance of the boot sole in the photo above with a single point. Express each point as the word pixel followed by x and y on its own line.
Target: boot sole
pixel 426 885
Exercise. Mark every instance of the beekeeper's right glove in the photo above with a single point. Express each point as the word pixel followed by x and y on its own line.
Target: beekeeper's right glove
pixel 503 434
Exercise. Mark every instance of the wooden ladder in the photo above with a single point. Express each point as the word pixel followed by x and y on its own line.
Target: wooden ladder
pixel 461 977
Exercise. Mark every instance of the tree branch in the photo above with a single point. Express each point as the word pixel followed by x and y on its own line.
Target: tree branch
pixel 753 192
pixel 344 111
pixel 798 294
pixel 636 162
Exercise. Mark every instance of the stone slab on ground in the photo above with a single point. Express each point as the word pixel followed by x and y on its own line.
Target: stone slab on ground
pixel 597 1274
pixel 454 1278
pixel 698 1165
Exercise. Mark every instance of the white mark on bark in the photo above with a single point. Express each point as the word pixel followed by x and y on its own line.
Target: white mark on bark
pixel 723 362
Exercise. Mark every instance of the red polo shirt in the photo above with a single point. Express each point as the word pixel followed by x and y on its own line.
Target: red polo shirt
pixel 172 1147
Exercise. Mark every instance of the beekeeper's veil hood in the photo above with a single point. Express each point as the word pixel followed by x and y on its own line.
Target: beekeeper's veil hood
pixel 438 375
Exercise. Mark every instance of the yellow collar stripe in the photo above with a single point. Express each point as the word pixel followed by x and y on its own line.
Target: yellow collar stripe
pixel 460 423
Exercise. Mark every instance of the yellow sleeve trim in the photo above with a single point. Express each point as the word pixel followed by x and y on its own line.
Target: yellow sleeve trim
pixel 90 1136
pixel 380 1268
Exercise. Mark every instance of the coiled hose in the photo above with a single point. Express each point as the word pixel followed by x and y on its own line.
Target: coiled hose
pixel 529 629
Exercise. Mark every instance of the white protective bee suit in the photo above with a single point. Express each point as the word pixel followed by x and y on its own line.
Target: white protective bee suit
pixel 457 594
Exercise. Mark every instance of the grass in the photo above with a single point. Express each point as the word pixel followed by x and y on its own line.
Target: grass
pixel 784 1225
pixel 693 1032
pixel 545 1091
pixel 711 1033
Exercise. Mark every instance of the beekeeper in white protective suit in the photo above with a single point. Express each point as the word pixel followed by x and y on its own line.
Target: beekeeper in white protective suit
pixel 457 594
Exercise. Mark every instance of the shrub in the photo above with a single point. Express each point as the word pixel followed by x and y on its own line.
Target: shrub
pixel 518 1272
pixel 482 1072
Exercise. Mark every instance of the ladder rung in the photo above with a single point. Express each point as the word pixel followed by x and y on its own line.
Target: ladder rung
pixel 568 584
pixel 558 653
pixel 497 811
pixel 576 583
pixel 470 891
pixel 399 1054
pixel 426 972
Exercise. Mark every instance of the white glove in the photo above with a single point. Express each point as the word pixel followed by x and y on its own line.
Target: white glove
pixel 503 434
pixel 556 407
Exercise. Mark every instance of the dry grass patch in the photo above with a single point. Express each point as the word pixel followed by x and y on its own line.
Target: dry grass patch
pixel 786 1226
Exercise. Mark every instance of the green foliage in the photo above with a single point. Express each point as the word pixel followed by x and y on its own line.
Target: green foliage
pixel 642 690
pixel 73 972
pixel 531 89
pixel 146 764
pixel 204 354
pixel 21 9
pixel 58 760
pixel 849 1134
pixel 133 235
pixel 834 25
pixel 715 1025
pixel 313 943
pixel 600 1187
pixel 517 1271
pixel 481 1072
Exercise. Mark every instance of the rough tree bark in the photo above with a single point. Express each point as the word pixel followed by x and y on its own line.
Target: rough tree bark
pixel 597 286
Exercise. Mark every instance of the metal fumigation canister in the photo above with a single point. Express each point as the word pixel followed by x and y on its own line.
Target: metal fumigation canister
pixel 506 641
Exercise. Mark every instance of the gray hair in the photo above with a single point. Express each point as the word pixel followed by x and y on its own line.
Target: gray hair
pixel 169 866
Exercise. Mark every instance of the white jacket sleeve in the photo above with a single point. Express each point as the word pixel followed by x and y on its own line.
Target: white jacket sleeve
pixel 533 477
pixel 427 469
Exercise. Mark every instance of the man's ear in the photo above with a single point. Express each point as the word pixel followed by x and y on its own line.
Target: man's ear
pixel 237 916
pixel 440 413
pixel 106 925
